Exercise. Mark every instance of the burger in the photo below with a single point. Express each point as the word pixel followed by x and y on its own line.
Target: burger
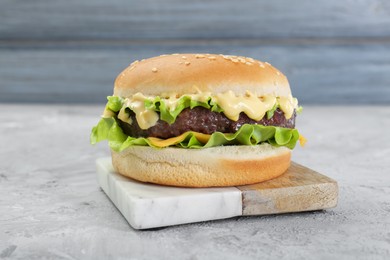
pixel 200 120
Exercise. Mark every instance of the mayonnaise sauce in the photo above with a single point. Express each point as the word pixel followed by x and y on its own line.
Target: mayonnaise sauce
pixel 146 118
pixel 123 116
pixel 232 105
pixel 253 106
pixel 287 105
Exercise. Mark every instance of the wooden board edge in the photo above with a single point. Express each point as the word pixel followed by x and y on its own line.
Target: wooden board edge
pixel 288 200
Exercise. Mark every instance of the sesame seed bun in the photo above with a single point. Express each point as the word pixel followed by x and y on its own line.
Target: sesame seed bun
pixel 191 73
pixel 211 167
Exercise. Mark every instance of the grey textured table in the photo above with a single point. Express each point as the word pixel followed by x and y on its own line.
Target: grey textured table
pixel 51 205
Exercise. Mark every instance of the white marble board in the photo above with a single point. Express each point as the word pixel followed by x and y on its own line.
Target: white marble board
pixel 147 205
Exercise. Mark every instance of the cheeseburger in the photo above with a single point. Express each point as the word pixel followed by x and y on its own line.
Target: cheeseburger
pixel 200 120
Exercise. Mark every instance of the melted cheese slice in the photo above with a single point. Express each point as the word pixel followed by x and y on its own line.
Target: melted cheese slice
pixel 302 140
pixel 203 138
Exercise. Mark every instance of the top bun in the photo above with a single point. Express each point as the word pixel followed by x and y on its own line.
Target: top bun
pixel 190 73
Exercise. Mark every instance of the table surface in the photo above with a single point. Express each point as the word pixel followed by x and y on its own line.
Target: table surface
pixel 51 205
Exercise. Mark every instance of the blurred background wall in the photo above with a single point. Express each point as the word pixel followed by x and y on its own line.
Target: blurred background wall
pixel 333 52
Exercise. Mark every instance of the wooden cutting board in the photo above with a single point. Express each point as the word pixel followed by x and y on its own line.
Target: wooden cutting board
pixel 149 206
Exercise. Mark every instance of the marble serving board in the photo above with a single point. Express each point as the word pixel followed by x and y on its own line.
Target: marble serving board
pixel 146 205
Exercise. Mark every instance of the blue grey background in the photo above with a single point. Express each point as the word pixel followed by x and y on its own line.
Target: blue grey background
pixel 333 52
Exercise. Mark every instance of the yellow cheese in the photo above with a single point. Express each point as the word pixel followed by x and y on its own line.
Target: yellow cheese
pixel 302 140
pixel 203 138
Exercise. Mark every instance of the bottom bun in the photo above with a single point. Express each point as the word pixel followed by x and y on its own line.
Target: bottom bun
pixel 209 167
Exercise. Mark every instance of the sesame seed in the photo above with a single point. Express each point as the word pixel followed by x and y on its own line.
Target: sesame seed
pixel 187 63
pixel 278 73
pixel 235 60
pixel 249 63
pixel 212 58
pixel 267 63
pixel 199 56
pixel 261 64
pixel 250 59
pixel 154 69
pixel 183 57
pixel 175 54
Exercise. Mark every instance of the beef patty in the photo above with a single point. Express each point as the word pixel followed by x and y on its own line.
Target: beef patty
pixel 202 120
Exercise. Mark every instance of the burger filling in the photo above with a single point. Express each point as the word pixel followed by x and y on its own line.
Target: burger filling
pixel 201 120
pixel 198 121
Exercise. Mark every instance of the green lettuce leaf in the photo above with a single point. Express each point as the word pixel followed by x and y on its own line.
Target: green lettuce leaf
pixel 109 129
pixel 169 115
pixel 299 109
pixel 101 130
pixel 114 103
pixel 270 113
